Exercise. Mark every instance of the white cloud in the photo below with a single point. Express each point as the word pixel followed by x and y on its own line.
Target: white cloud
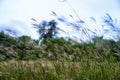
pixel 24 10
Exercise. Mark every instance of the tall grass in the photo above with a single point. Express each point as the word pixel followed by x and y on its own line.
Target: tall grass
pixel 58 59
pixel 56 70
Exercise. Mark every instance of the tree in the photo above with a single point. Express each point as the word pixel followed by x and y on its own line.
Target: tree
pixel 46 30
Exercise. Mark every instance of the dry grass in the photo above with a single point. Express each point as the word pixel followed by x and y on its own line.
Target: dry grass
pixel 56 70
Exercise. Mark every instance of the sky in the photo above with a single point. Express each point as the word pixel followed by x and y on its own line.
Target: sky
pixel 17 14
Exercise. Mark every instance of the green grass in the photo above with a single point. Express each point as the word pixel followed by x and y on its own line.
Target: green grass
pixel 58 59
pixel 56 70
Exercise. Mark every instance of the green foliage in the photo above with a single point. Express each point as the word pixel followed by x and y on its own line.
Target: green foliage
pixel 7 40
pixel 59 59
pixel 46 30
pixel 59 70
pixel 24 48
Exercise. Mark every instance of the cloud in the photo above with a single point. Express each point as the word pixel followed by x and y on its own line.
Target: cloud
pixel 18 13
pixel 20 28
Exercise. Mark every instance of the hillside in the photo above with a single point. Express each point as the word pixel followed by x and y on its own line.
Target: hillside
pixel 24 48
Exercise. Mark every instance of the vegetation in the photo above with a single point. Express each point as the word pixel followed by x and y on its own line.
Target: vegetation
pixel 46 30
pixel 55 58
pixel 24 48
pixel 58 59
pixel 56 70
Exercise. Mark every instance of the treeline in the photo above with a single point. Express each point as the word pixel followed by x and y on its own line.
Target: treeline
pixel 25 48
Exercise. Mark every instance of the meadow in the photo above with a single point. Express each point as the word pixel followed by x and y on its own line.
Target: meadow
pixel 58 59
pixel 59 70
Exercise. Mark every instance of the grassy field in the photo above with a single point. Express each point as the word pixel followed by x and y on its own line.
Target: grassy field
pixel 58 59
pixel 59 70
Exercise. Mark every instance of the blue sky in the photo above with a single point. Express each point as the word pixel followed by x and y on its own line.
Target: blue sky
pixel 17 14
